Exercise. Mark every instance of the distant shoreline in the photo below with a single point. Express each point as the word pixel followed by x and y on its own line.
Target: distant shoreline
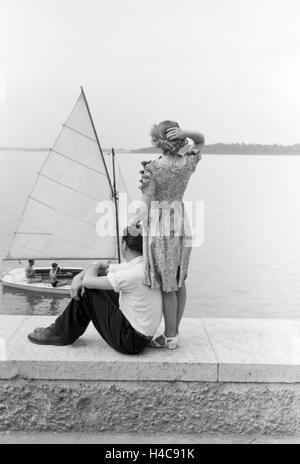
pixel 213 149
pixel 23 149
pixel 239 149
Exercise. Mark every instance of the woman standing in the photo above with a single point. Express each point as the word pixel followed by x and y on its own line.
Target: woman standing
pixel 166 246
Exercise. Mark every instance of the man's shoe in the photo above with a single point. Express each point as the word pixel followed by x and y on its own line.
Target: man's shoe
pixel 47 336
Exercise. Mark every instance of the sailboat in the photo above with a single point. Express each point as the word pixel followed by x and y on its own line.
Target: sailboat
pixel 60 215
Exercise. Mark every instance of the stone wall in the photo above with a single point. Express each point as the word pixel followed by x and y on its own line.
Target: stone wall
pixel 228 376
pixel 124 407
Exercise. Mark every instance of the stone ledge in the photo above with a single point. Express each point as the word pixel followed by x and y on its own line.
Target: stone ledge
pixel 211 350
pixel 150 407
pixel 90 358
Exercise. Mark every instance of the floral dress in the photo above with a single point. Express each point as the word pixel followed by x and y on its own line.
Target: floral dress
pixel 166 231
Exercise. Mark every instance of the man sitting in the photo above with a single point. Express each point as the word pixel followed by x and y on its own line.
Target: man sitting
pixel 55 269
pixel 125 312
pixel 30 274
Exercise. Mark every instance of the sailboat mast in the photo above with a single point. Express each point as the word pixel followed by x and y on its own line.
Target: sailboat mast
pixel 97 139
pixel 113 187
pixel 116 203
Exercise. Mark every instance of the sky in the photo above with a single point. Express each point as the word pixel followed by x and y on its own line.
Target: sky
pixel 228 68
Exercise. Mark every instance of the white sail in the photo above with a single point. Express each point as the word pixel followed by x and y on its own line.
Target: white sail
pixel 59 219
pixel 121 184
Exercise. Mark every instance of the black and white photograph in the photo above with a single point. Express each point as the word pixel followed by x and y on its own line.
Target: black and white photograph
pixel 149 225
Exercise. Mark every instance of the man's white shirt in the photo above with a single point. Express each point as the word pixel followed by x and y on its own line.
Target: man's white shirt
pixel 141 305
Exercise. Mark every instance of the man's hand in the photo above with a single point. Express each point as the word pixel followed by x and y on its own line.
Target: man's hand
pixel 98 264
pixel 95 277
pixel 76 288
pixel 100 268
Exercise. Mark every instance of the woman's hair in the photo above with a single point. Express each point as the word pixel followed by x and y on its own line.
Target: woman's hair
pixel 133 238
pixel 159 137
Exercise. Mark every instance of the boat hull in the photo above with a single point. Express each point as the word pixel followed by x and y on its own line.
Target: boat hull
pixel 15 278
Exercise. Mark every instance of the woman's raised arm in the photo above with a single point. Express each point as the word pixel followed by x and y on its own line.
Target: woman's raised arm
pixel 178 133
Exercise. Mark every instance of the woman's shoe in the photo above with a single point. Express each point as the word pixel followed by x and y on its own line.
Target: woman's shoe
pixel 171 342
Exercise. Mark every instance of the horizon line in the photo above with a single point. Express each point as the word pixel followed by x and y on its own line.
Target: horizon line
pixel 46 149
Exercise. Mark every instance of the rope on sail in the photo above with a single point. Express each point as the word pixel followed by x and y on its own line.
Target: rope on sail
pixel 61 212
pixel 62 237
pixel 79 133
pixel 68 187
pixel 33 233
pixel 77 162
pixel 36 251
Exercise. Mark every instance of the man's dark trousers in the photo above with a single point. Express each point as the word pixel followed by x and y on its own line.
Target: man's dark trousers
pixel 102 308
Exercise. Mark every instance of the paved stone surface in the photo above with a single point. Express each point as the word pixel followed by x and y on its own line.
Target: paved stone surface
pixel 256 350
pixel 8 327
pixel 224 350
pixel 90 358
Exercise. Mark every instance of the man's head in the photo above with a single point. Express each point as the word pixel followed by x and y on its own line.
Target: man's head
pixel 132 242
pixel 54 266
pixel 31 262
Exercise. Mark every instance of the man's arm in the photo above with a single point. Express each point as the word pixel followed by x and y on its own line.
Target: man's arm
pixel 92 280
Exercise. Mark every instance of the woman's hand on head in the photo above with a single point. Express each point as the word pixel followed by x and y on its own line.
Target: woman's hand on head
pixel 175 133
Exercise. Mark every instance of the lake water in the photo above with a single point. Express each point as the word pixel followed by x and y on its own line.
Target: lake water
pixel 249 263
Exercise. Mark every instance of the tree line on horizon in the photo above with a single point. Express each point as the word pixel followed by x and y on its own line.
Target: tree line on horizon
pixel 215 148
pixel 238 148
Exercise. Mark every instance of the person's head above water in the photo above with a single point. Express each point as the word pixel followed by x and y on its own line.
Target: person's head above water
pixel 54 265
pixel 159 137
pixel 132 241
pixel 31 262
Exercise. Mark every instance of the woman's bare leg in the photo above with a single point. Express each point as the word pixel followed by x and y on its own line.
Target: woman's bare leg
pixel 181 300
pixel 170 313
